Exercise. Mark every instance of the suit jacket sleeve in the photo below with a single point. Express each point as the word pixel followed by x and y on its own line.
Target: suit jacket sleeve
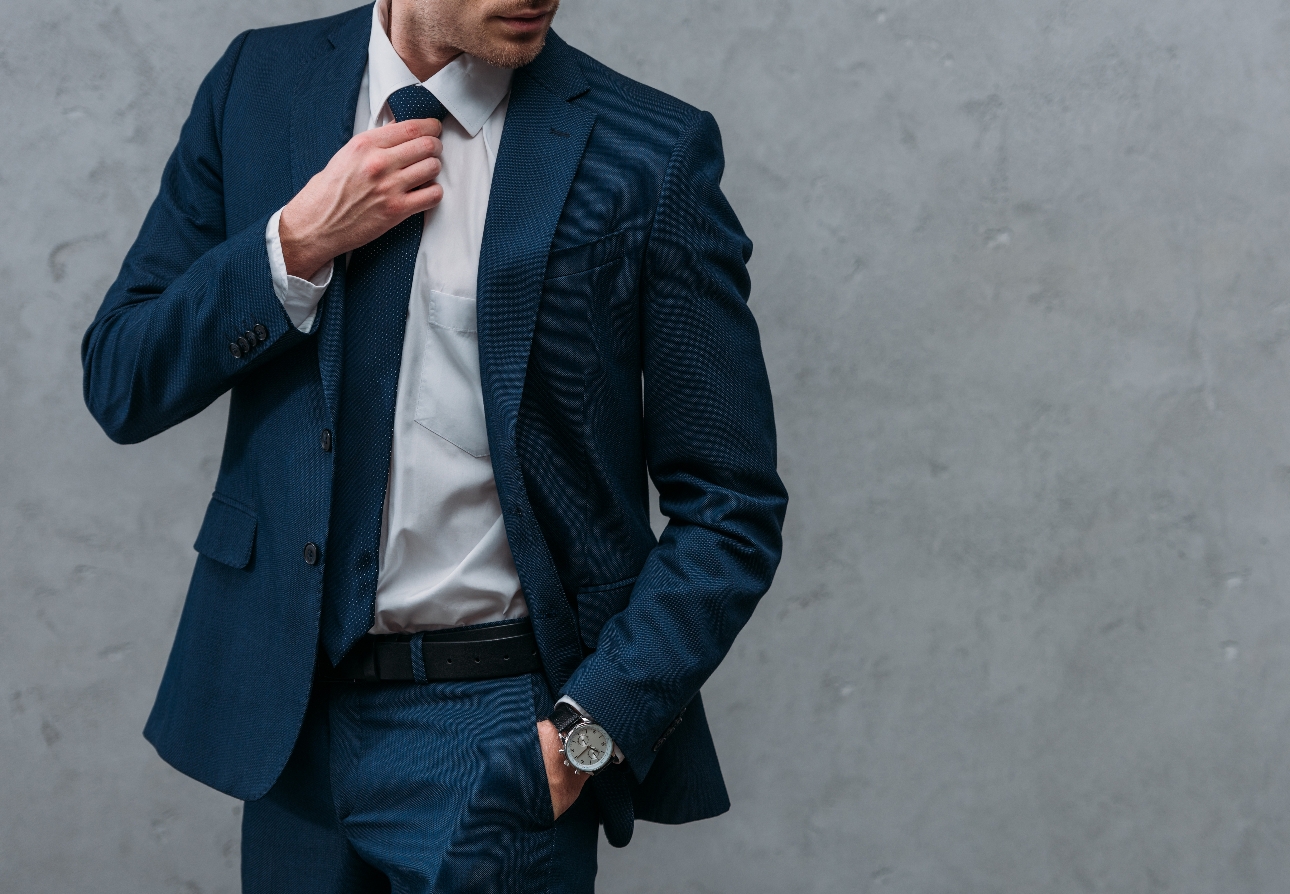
pixel 710 446
pixel 158 349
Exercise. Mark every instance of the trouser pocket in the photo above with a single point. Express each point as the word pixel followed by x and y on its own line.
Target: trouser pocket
pixel 504 837
pixel 543 809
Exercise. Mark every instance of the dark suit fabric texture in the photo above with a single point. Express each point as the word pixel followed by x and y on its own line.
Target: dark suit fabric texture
pixel 412 789
pixel 615 342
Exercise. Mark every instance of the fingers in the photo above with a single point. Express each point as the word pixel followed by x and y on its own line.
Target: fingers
pixel 422 199
pixel 419 173
pixel 399 132
pixel 388 173
pixel 405 154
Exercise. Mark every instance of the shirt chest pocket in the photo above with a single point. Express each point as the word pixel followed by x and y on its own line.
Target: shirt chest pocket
pixel 450 397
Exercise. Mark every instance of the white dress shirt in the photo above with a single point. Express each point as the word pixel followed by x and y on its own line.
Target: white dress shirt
pixel 444 558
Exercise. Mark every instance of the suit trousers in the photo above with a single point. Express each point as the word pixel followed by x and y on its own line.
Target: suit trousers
pixel 413 788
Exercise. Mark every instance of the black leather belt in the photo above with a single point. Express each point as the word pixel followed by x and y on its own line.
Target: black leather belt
pixel 482 652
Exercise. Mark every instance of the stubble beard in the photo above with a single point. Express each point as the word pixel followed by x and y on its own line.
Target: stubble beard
pixel 473 38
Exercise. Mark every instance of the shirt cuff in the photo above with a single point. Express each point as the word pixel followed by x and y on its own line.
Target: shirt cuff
pixel 618 752
pixel 299 297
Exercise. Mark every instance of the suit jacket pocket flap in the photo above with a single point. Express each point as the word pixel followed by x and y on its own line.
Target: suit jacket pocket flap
pixel 590 255
pixel 227 534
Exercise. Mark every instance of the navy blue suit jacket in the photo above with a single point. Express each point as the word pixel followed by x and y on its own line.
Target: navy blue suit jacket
pixel 610 258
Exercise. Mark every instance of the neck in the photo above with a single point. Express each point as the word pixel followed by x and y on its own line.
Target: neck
pixel 414 37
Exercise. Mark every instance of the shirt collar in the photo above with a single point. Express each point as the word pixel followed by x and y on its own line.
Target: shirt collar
pixel 469 88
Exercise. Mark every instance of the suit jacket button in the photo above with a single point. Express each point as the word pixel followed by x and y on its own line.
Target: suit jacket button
pixel 235 349
pixel 252 337
pixel 243 343
pixel 326 440
pixel 311 554
pixel 261 332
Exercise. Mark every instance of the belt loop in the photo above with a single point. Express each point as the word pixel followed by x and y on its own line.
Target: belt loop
pixel 418 658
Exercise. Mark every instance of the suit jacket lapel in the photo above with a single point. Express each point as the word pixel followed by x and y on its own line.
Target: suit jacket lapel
pixel 542 145
pixel 322 121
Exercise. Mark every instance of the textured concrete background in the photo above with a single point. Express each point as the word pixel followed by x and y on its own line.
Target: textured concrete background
pixel 1023 283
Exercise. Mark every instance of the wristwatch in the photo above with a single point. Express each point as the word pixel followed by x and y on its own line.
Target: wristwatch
pixel 587 747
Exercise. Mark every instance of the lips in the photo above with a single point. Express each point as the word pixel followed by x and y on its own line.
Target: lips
pixel 527 20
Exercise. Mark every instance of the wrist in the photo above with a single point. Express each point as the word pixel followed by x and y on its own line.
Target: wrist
pixel 618 756
pixel 564 783
pixel 566 776
pixel 587 747
pixel 303 252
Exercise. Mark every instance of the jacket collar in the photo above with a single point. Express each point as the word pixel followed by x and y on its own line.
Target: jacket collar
pixel 557 68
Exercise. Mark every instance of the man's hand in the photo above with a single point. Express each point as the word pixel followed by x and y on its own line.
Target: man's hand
pixel 373 183
pixel 565 784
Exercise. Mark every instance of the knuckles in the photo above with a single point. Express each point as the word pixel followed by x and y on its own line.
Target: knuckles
pixel 366 169
pixel 429 147
pixel 420 127
pixel 426 198
pixel 372 166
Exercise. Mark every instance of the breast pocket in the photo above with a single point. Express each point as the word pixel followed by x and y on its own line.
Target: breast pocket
pixel 450 398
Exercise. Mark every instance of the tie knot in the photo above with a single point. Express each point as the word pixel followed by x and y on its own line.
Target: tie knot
pixel 415 101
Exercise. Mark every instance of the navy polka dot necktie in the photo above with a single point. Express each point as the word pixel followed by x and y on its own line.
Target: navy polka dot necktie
pixel 378 286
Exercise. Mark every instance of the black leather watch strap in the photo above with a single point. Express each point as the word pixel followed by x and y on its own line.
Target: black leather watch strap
pixel 564 718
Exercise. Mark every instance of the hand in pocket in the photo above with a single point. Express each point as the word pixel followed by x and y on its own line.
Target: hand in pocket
pixel 565 784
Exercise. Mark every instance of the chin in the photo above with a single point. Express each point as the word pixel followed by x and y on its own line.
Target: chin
pixel 510 53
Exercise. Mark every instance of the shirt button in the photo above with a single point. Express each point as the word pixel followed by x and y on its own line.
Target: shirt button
pixel 243 343
pixel 235 349
pixel 261 332
pixel 326 440
pixel 311 554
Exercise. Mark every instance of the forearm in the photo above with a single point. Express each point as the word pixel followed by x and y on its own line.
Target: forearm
pixel 710 441
pixel 695 593
pixel 165 342
pixel 158 352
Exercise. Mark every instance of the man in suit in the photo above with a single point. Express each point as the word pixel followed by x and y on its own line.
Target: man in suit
pixel 467 287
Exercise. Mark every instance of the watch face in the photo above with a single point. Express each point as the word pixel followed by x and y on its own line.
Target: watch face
pixel 588 747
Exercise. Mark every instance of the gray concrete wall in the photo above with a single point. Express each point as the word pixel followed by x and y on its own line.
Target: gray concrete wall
pixel 1025 295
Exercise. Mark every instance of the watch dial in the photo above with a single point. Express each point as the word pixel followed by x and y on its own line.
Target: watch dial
pixel 588 747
